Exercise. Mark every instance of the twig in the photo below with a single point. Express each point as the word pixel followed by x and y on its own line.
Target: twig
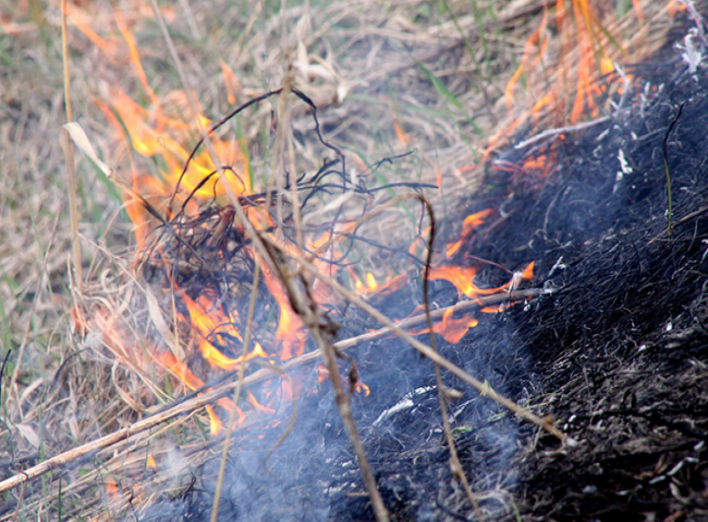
pixel 455 464
pixel 2 370
pixel 65 61
pixel 345 411
pixel 68 148
pixel 19 502
pixel 561 130
pixel 86 449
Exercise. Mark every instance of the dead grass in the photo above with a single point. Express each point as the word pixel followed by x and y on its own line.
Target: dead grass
pixel 387 79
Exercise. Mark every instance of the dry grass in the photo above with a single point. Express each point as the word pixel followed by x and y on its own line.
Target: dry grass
pixel 387 79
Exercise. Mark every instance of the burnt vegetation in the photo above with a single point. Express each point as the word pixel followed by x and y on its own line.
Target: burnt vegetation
pixel 621 347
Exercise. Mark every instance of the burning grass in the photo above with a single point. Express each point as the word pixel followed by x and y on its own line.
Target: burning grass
pixel 165 334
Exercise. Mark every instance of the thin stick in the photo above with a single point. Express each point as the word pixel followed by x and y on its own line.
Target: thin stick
pixel 68 148
pixel 455 464
pixel 341 398
pixel 345 411
pixel 236 397
pixel 2 370
pixel 93 446
pixel 667 171
pixel 65 60
pixel 19 502
pixel 562 130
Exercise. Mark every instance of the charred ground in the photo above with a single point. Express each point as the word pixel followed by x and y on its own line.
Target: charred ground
pixel 621 347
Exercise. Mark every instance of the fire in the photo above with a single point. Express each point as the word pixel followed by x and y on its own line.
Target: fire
pixel 454 329
pixel 360 387
pixel 150 463
pixel 451 329
pixel 568 68
pixel 291 331
pixel 469 225
pixel 534 49
pixel 193 382
pixel 209 321
pixel 215 425
pixel 112 488
pixel 371 282
pixel 463 279
pixel 370 285
pixel 232 84
pixel 152 133
pixel 188 183
pixel 676 6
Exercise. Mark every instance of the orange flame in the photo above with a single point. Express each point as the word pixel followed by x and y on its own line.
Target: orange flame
pixel 111 487
pixel 150 463
pixel 180 369
pixel 469 225
pixel 450 329
pixel 534 49
pixel 402 136
pixel 587 51
pixel 232 84
pixel 675 6
pixel 463 279
pixel 360 387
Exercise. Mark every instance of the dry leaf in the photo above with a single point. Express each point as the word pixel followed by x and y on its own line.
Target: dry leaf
pixel 161 325
pixel 81 140
pixel 29 434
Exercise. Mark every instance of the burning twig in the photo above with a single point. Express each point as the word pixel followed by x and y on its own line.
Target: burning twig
pixel 552 133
